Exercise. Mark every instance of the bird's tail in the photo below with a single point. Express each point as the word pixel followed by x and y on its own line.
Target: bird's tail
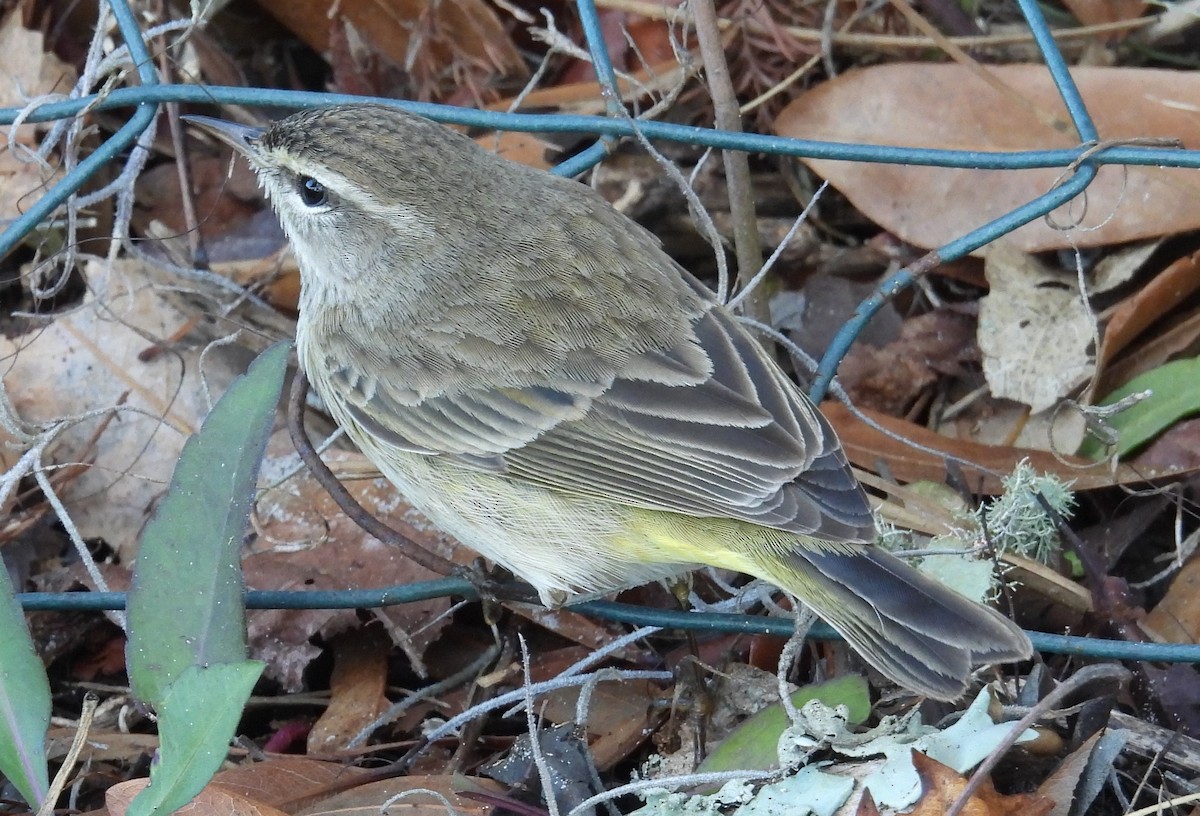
pixel 918 632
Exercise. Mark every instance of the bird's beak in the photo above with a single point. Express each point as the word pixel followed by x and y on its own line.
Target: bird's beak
pixel 241 138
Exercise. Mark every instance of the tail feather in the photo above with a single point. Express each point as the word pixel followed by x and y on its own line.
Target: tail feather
pixel 916 672
pixel 918 632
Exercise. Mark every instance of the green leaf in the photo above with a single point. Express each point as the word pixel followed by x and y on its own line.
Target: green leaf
pixel 1175 394
pixel 754 745
pixel 185 606
pixel 24 702
pixel 197 716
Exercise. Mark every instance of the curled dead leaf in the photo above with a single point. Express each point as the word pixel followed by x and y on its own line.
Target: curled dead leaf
pixel 1002 108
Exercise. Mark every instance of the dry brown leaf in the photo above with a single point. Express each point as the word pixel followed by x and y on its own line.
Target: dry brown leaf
pixel 212 800
pixel 866 805
pixel 431 41
pixel 280 779
pixel 588 97
pixel 619 743
pixel 1150 302
pixel 101 745
pixel 924 507
pixel 225 192
pixel 1119 265
pixel 85 361
pixel 868 448
pixel 27 69
pixel 357 686
pixel 890 378
pixel 951 107
pixel 1098 12
pixel 621 714
pixel 422 796
pixel 306 542
pixel 1061 785
pixel 1034 576
pixel 1035 330
pixel 1000 422
pixel 523 148
pixel 631 40
pixel 1182 338
pixel 1142 310
pixel 1177 447
pixel 276 277
pixel 579 628
pixel 941 785
pixel 274 786
pixel 1176 618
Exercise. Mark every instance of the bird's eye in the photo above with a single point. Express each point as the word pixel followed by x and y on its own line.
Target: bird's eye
pixel 312 192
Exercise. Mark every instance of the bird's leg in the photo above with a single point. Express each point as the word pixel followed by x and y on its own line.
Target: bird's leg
pixel 692 677
pixel 494 584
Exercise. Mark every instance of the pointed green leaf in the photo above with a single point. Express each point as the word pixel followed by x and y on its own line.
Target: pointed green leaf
pixel 1174 394
pixel 754 745
pixel 185 607
pixel 24 702
pixel 197 717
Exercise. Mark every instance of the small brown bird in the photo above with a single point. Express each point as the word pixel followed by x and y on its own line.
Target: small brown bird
pixel 538 377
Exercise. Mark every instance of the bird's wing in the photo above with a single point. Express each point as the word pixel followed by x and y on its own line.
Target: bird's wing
pixel 744 443
pixel 712 427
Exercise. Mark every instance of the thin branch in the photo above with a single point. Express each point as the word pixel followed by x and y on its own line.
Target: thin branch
pixel 349 505
pixel 747 245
